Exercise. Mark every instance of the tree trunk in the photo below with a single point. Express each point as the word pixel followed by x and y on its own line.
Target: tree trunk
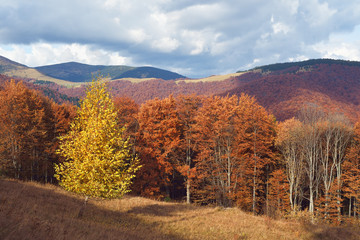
pixel 339 195
pixel 350 207
pixel 254 176
pixel 311 198
pixel 254 191
pixel 188 191
pixel 188 162
pixel 82 209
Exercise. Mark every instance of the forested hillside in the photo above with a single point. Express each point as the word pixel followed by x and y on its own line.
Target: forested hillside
pixel 335 85
pixel 73 73
pixel 282 88
pixel 227 149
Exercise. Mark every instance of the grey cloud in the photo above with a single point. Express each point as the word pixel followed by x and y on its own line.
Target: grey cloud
pixel 203 37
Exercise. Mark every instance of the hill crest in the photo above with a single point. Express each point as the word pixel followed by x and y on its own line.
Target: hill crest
pixel 307 64
pixel 75 72
pixel 281 88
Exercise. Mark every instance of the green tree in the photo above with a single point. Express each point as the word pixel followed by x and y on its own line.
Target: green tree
pixel 98 161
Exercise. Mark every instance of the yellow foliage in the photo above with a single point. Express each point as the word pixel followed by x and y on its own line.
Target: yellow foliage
pixel 98 162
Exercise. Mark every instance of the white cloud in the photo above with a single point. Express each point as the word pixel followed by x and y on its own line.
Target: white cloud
pixel 338 50
pixel 280 28
pixel 137 35
pixel 340 45
pixel 202 37
pixel 319 13
pixel 39 54
pixel 165 44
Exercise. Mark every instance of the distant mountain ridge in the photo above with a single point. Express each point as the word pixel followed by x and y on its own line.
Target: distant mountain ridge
pixel 303 64
pixel 282 88
pixel 7 64
pixel 79 72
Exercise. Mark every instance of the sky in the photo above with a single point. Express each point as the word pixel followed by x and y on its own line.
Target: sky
pixel 195 38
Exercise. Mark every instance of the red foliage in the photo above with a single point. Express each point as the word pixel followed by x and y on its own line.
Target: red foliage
pixel 334 87
pixel 159 138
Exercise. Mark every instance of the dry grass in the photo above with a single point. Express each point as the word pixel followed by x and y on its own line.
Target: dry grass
pixel 31 73
pixel 34 211
pixel 23 72
pixel 215 78
pixel 134 80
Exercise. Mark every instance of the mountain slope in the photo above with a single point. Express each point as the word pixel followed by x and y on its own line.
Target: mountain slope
pixel 150 72
pixel 50 91
pixel 285 88
pixel 289 66
pixel 78 72
pixel 73 72
pixel 6 64
pixel 282 88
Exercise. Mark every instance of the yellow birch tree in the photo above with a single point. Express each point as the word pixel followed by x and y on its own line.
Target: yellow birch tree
pixel 98 160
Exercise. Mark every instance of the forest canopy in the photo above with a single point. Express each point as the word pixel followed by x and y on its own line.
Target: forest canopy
pixel 227 151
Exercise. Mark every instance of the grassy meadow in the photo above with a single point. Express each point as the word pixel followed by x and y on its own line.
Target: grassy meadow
pixel 35 211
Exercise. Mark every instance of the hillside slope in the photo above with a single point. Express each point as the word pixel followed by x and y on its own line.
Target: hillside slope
pixel 78 72
pixel 282 88
pixel 335 85
pixel 74 72
pixel 50 91
pixel 149 72
pixel 7 64
pixel 35 211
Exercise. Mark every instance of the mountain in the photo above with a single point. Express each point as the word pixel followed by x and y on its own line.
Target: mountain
pixel 78 72
pixel 50 90
pixel 290 66
pixel 149 72
pixel 73 72
pixel 7 64
pixel 285 88
pixel 282 88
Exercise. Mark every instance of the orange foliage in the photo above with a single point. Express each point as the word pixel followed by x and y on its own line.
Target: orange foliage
pixel 127 117
pixel 351 176
pixel 278 193
pixel 235 138
pixel 159 139
pixel 27 131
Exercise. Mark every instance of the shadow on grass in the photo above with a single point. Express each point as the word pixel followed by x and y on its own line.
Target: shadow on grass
pixel 180 212
pixel 324 232
pixel 161 210
pixel 28 211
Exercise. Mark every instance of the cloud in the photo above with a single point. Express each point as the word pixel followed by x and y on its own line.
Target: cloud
pixel 199 37
pixel 341 46
pixel 39 54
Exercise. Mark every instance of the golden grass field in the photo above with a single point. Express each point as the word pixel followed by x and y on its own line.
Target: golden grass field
pixel 215 78
pixel 134 80
pixel 31 73
pixel 35 211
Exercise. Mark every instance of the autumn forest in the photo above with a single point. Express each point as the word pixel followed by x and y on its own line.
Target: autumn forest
pixel 208 150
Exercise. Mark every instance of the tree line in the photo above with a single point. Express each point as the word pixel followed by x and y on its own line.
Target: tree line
pixel 226 151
